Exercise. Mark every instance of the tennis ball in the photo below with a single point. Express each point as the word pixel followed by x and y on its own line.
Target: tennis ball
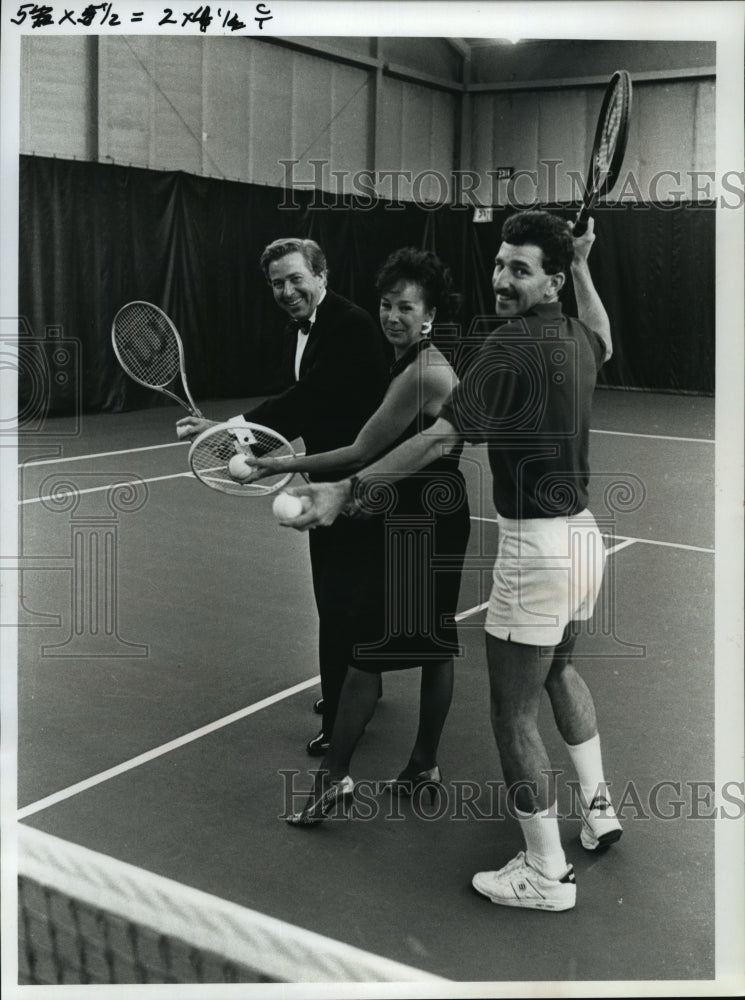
pixel 239 468
pixel 287 507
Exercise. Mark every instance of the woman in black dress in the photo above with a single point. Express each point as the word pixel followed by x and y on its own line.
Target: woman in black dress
pixel 402 610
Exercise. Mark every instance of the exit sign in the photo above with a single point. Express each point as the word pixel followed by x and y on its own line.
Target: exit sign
pixel 502 173
pixel 482 214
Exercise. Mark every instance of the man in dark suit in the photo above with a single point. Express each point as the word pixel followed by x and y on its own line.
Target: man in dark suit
pixel 335 366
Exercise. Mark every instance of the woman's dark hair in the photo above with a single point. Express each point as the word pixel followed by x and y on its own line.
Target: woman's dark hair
pixel 548 232
pixel 426 270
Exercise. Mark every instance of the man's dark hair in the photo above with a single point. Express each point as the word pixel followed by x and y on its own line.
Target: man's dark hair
pixel 312 254
pixel 543 230
pixel 425 269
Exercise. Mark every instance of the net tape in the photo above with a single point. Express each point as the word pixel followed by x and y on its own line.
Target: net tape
pixel 97 886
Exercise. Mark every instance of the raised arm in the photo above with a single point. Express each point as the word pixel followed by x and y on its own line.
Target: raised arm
pixel 589 306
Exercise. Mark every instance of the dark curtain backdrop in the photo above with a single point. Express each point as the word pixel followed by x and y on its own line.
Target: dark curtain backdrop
pixel 95 236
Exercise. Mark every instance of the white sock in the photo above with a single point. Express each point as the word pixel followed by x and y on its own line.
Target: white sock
pixel 544 850
pixel 588 763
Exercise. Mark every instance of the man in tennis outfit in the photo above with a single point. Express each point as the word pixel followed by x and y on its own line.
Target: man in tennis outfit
pixel 335 366
pixel 527 394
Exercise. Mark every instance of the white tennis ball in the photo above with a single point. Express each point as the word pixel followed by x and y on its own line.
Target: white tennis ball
pixel 239 468
pixel 287 507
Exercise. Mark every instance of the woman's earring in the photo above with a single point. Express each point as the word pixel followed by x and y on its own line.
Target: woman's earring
pixel 426 328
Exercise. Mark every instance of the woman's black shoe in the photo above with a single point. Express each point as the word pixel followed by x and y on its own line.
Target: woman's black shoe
pixel 408 784
pixel 337 795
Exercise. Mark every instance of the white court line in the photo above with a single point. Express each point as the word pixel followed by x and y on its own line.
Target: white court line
pixel 149 755
pixel 110 486
pixel 227 720
pixel 630 538
pixel 176 444
pixel 99 489
pixel 100 454
pixel 480 607
pixel 612 549
pixel 656 437
pixel 667 545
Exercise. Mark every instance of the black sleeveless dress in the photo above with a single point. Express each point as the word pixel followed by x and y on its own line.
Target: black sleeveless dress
pixel 405 611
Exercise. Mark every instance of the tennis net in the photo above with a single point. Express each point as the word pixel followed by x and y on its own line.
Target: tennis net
pixel 85 917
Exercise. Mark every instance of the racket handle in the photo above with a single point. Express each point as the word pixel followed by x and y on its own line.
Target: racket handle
pixel 580 223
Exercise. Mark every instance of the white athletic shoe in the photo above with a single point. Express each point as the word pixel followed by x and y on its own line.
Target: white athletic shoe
pixel 600 826
pixel 518 884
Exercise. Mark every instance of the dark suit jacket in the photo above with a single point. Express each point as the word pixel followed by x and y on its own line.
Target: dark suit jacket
pixel 343 377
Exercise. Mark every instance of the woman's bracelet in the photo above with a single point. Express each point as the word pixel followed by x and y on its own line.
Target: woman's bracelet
pixel 355 507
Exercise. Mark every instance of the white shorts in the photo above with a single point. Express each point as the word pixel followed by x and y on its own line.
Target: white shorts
pixel 547 573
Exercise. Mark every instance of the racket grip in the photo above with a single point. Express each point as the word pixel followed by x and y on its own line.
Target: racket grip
pixel 580 223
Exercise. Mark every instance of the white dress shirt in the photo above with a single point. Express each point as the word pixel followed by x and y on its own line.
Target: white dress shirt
pixel 302 340
pixel 302 337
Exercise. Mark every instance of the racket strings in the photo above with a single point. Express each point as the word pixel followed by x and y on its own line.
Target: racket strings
pixel 211 454
pixel 612 139
pixel 609 140
pixel 609 145
pixel 147 345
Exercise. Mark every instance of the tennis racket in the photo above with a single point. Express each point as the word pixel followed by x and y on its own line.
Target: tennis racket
pixel 609 146
pixel 149 349
pixel 211 452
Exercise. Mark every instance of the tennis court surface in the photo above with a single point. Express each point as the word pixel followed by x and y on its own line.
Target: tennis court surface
pixel 167 671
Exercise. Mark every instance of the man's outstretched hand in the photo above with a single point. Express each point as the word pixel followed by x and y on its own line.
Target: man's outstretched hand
pixel 327 500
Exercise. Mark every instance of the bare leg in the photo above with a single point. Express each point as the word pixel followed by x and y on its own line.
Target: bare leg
pixel 517 674
pixel 574 712
pixel 571 701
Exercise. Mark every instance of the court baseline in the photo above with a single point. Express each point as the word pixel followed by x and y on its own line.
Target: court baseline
pixel 243 713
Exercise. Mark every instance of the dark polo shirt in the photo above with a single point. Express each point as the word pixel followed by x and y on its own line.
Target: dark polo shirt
pixel 528 394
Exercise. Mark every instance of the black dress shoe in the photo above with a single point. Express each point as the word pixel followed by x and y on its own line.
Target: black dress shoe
pixel 319 745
